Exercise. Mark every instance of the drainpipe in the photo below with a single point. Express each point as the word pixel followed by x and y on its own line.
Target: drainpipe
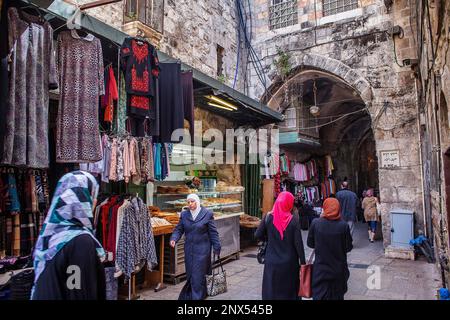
pixel 421 162
pixel 437 89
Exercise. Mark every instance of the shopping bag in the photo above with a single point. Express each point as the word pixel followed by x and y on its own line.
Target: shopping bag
pixel 216 283
pixel 305 289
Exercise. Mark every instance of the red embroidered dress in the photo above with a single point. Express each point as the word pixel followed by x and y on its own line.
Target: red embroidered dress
pixel 140 65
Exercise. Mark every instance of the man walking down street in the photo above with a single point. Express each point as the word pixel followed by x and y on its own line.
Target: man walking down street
pixel 348 201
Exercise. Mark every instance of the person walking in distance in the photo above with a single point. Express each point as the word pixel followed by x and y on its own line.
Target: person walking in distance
pixel 369 205
pixel 348 201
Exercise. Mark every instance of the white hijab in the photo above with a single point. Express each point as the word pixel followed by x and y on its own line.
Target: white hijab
pixel 195 197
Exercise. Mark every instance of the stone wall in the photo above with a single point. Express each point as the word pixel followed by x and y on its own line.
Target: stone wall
pixel 356 46
pixel 434 90
pixel 192 31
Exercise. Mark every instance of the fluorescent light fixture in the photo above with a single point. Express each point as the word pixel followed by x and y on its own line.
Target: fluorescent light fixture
pixel 222 102
pixel 219 106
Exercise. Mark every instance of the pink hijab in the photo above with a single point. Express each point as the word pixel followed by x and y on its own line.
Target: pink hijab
pixel 282 211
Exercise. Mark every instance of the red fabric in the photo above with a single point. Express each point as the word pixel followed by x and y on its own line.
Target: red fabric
pixel 104 216
pixel 140 52
pixel 331 209
pixel 141 84
pixel 112 95
pixel 282 211
pixel 112 232
pixel 140 102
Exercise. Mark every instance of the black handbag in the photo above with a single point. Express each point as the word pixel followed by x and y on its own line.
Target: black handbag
pixel 261 255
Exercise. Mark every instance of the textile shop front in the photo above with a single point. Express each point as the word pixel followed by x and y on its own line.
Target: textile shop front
pixel 98 100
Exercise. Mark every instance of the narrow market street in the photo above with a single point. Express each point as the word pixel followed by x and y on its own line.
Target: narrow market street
pixel 400 279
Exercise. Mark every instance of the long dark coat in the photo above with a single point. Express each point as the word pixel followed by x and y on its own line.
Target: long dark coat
pixel 200 236
pixel 282 259
pixel 331 240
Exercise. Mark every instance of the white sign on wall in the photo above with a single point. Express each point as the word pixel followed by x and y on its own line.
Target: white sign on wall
pixel 390 158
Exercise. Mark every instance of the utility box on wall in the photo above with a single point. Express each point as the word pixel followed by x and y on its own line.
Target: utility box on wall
pixel 402 228
pixel 402 231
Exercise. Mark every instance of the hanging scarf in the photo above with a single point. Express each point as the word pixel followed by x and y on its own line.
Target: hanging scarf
pixel 282 211
pixel 331 209
pixel 69 216
pixel 195 212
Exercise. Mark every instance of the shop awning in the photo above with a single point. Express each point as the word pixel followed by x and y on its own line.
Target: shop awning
pixel 249 111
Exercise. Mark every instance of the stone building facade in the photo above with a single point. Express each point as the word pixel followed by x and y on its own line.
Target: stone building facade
pixel 434 97
pixel 355 50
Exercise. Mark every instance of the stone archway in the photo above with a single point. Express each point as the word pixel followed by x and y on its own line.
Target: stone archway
pixel 391 118
pixel 331 66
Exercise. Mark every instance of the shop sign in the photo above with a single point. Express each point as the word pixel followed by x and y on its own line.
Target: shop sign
pixel 390 158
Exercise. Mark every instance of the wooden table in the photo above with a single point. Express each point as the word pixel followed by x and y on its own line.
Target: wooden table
pixel 160 232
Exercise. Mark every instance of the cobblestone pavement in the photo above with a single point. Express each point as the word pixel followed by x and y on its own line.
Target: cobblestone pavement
pixel 399 279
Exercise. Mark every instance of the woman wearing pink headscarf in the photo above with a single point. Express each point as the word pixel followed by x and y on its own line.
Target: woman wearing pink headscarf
pixel 284 253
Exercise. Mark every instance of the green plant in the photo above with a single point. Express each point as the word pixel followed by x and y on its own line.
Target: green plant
pixel 222 78
pixel 282 63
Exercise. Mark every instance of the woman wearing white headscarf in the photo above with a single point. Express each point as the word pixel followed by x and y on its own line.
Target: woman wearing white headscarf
pixel 197 224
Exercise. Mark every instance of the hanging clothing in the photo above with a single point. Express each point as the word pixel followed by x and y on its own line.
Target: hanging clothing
pixel 81 82
pixel 111 94
pixel 139 61
pixel 188 99
pixel 170 101
pixel 32 75
pixel 136 242
pixel 119 126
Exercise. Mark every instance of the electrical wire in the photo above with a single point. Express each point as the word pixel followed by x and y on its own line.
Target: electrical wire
pixel 333 121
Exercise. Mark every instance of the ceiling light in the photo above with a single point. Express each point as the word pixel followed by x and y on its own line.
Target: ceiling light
pixel 223 102
pixel 219 106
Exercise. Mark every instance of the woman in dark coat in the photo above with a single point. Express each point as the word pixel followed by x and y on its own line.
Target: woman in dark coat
pixel 330 237
pixel 284 252
pixel 201 234
pixel 67 258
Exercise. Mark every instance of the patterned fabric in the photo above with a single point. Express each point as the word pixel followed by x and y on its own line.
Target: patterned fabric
pixel 81 81
pixel 32 74
pixel 70 215
pixel 113 164
pixel 136 178
pixel 216 283
pixel 119 124
pixel 14 205
pixel 120 162
pixel 136 242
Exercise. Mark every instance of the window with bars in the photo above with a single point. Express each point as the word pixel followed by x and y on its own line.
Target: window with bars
pixel 331 7
pixel 283 13
pixel 149 12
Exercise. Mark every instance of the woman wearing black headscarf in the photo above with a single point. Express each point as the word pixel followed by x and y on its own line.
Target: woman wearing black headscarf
pixel 330 237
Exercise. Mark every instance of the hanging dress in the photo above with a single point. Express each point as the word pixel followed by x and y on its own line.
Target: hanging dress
pixel 81 83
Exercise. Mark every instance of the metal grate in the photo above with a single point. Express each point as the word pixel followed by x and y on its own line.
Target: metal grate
pixel 331 7
pixel 283 13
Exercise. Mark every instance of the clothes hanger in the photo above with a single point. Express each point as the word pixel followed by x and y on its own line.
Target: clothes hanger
pixel 36 10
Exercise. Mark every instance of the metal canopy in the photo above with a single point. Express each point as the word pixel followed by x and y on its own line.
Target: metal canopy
pixel 249 110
